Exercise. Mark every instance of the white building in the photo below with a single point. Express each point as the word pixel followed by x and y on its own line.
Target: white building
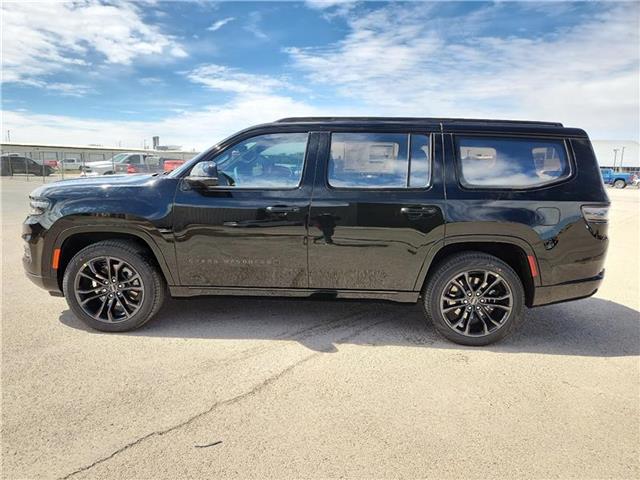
pixel 83 153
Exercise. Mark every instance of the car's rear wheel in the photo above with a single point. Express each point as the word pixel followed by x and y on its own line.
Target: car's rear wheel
pixel 113 286
pixel 619 183
pixel 474 299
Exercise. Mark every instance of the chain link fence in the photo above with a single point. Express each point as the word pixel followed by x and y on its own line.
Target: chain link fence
pixel 51 166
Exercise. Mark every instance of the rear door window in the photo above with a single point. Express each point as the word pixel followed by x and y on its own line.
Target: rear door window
pixel 379 160
pixel 18 163
pixel 511 162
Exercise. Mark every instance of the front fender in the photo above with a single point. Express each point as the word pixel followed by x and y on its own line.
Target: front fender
pixel 160 243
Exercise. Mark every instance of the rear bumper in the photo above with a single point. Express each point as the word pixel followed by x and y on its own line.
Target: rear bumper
pixel 565 292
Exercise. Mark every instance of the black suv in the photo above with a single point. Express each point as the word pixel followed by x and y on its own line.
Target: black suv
pixel 475 219
pixel 12 164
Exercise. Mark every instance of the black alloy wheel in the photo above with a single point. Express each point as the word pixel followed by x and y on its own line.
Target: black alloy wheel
pixel 474 298
pixel 114 285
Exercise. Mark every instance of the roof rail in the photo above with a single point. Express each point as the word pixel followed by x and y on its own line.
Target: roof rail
pixel 415 120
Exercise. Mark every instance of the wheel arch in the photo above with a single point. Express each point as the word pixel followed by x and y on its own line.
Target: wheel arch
pixel 513 251
pixel 72 240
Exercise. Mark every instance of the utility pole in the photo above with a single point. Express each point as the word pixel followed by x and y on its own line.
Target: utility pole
pixel 621 157
pixel 615 157
pixel 8 135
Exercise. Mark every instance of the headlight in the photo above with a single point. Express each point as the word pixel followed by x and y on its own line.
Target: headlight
pixel 38 206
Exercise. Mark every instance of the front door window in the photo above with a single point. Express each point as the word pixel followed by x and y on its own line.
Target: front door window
pixel 265 161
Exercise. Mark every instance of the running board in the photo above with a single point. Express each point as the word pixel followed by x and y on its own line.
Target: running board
pixel 394 296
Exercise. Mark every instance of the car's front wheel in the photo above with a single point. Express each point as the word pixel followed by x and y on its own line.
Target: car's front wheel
pixel 619 183
pixel 474 299
pixel 113 286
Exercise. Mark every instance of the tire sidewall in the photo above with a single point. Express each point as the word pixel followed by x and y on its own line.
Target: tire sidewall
pixel 137 262
pixel 459 265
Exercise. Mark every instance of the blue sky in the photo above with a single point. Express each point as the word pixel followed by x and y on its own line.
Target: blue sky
pixel 194 72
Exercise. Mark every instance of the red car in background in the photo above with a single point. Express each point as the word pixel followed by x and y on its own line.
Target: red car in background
pixel 169 164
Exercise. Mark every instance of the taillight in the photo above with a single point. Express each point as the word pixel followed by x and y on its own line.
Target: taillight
pixel 131 169
pixel 595 213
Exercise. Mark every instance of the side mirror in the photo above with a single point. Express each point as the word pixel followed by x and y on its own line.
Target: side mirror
pixel 209 169
pixel 204 176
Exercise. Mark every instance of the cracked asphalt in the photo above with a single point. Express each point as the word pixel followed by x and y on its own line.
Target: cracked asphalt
pixel 257 388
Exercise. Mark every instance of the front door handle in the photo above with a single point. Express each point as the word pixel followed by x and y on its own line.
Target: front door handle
pixel 282 209
pixel 418 210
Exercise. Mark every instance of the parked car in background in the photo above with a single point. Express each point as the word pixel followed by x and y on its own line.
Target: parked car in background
pixel 14 164
pixel 124 163
pixel 70 164
pixel 52 163
pixel 140 163
pixel 169 164
pixel 618 179
pixel 473 219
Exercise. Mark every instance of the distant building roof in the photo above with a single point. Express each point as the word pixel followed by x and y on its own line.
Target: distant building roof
pixel 6 146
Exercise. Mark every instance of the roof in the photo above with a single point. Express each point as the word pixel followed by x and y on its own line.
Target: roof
pixel 447 125
pixel 415 120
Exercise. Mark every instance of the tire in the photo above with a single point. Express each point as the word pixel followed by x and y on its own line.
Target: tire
pixel 487 324
pixel 129 302
pixel 619 183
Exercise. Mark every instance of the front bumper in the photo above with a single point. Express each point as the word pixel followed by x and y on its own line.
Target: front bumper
pixel 36 260
pixel 565 292
pixel 47 283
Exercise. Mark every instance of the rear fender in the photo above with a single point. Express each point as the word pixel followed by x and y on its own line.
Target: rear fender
pixel 479 239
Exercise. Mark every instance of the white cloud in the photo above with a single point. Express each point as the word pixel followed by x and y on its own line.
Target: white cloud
pixel 68 89
pixel 253 25
pixel 60 88
pixel 402 60
pixel 44 38
pixel 322 4
pixel 219 77
pixel 220 23
pixel 193 129
pixel 151 81
pixel 331 8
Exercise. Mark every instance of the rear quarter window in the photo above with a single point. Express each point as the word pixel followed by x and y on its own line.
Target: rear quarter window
pixel 511 162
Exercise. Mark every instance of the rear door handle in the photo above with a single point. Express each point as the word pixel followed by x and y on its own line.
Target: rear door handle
pixel 418 210
pixel 282 209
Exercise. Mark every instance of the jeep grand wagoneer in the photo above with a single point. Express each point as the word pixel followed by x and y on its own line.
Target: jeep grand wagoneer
pixel 474 219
